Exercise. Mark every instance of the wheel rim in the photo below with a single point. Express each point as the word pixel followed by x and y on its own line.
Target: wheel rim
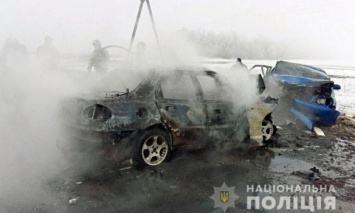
pixel 267 129
pixel 154 150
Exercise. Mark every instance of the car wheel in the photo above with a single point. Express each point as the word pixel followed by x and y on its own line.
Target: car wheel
pixel 267 129
pixel 153 148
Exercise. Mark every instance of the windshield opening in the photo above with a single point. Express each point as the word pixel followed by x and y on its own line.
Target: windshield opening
pixel 298 70
pixel 116 81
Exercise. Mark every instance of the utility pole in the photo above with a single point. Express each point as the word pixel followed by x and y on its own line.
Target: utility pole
pixel 137 22
pixel 153 23
pixel 136 25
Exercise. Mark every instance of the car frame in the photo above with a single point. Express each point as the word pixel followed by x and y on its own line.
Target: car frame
pixel 146 124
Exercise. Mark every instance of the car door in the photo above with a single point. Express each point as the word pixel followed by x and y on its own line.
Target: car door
pixel 267 81
pixel 220 109
pixel 180 103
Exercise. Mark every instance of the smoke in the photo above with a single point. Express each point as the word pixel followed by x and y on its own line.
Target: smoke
pixel 177 50
pixel 28 109
pixel 180 48
pixel 241 84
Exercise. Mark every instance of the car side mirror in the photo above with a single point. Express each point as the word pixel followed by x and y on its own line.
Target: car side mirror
pixel 336 87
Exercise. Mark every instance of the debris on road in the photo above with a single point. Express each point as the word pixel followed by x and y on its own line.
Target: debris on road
pixel 125 168
pixel 73 201
pixel 319 132
pixel 345 126
pixel 309 133
pixel 313 177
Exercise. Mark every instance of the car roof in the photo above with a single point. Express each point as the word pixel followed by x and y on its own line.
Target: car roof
pixel 304 65
pixel 190 70
pixel 157 73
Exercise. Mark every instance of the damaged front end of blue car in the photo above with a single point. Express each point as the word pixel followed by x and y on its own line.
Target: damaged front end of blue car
pixel 307 92
pixel 320 109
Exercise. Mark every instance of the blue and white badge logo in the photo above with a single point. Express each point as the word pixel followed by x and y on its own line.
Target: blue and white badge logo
pixel 224 197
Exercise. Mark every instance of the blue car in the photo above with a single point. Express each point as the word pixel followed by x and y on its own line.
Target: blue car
pixel 305 92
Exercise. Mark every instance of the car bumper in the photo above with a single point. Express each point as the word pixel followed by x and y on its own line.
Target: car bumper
pixel 311 113
pixel 78 140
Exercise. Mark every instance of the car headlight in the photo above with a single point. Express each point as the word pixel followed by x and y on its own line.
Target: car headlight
pixel 97 111
pixel 321 101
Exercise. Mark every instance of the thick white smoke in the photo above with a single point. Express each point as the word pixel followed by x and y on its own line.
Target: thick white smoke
pixel 28 131
pixel 29 105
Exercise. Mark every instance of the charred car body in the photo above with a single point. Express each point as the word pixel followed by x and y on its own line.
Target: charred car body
pixel 305 91
pixel 167 109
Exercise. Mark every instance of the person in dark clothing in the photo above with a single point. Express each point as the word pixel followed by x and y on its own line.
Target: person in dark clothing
pixel 99 58
pixel 14 55
pixel 238 65
pixel 47 55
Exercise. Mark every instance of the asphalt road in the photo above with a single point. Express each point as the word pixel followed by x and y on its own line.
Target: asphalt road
pixel 186 183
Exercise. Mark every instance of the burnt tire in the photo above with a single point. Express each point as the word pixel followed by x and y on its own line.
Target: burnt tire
pixel 268 129
pixel 152 148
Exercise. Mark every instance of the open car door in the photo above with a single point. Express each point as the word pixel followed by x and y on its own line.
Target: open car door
pixel 260 69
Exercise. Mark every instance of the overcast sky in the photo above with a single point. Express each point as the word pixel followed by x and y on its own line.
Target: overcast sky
pixel 75 23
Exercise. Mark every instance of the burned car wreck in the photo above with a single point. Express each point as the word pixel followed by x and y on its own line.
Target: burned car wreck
pixel 305 92
pixel 182 107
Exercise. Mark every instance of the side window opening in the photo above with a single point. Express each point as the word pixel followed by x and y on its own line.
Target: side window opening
pixel 179 87
pixel 212 88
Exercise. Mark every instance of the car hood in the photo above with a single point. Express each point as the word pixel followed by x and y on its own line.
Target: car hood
pixel 303 88
pixel 289 79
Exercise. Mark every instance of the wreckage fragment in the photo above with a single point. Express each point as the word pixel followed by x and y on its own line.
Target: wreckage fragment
pixel 306 92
